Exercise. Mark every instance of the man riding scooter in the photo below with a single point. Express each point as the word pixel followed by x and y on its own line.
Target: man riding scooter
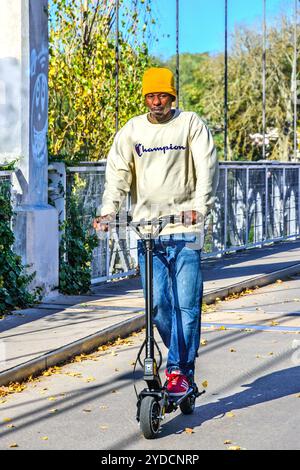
pixel 167 160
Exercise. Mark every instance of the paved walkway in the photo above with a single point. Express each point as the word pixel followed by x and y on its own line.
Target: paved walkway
pixel 36 338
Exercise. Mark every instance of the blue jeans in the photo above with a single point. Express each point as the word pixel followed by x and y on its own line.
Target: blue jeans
pixel 177 297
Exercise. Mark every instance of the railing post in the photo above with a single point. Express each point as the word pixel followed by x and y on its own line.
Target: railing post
pixel 225 208
pixel 283 203
pixel 299 200
pixel 107 254
pixel 266 203
pixel 247 206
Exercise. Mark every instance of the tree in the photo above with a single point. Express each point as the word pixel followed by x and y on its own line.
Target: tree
pixel 82 74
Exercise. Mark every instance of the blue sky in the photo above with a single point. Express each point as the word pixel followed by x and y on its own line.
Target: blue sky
pixel 202 22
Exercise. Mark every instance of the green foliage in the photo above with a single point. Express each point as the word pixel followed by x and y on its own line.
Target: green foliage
pixel 14 281
pixel 82 74
pixel 76 250
pixel 8 166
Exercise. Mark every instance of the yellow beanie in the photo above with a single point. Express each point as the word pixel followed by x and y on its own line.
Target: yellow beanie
pixel 158 80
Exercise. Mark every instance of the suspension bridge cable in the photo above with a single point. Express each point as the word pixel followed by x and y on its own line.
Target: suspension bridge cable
pixel 117 58
pixel 264 82
pixel 226 82
pixel 177 53
pixel 295 77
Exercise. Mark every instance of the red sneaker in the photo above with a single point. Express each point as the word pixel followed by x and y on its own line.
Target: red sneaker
pixel 178 384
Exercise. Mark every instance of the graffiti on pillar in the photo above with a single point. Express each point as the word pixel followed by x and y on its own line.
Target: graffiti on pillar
pixel 39 104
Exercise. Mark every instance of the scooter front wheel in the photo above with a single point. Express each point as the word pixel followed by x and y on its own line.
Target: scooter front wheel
pixel 150 417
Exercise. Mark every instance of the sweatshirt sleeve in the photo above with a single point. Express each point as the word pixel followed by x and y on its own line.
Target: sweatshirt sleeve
pixel 206 165
pixel 118 174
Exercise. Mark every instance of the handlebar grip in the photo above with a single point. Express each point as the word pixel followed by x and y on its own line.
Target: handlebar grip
pixel 173 218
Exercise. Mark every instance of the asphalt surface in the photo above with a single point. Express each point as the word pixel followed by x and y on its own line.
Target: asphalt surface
pixel 252 398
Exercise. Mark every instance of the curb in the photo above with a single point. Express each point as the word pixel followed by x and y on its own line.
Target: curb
pixel 125 328
pixel 84 345
pixel 256 281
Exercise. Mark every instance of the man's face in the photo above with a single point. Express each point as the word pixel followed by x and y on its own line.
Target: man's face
pixel 159 104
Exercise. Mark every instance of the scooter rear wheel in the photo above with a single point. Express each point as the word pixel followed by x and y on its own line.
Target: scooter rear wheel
pixel 149 417
pixel 188 405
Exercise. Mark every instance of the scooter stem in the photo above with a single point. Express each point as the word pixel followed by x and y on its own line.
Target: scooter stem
pixel 149 298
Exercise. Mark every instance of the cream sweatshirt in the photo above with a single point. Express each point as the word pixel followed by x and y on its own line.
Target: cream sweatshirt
pixel 167 168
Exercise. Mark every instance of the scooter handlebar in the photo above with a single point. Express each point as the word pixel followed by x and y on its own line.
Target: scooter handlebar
pixel 156 225
pixel 173 218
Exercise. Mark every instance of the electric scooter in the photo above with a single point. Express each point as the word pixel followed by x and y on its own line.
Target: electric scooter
pixel 153 402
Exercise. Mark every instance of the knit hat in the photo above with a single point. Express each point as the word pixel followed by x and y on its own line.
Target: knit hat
pixel 158 80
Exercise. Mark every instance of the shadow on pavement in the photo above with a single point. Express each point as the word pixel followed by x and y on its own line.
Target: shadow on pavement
pixel 266 388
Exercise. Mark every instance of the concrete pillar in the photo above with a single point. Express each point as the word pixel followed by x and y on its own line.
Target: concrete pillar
pixel 23 132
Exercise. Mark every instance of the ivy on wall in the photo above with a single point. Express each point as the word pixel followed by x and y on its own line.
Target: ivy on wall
pixel 76 249
pixel 14 281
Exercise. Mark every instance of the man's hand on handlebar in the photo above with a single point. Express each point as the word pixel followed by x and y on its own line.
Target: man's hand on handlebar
pixel 98 223
pixel 190 217
pixel 187 218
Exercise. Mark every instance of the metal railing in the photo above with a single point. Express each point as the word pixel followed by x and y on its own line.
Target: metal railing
pixel 257 203
pixel 6 187
pixel 5 177
pixel 114 256
pixel 6 181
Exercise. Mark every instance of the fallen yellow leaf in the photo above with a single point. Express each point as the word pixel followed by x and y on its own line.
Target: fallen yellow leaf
pixel 234 448
pixel 230 414
pixel 203 342
pixel 10 426
pixel 51 371
pixel 189 430
pixel 222 328
pixel 274 323
pixel 74 374
pixel 82 357
pixel 52 398
pixel 44 438
pixel 205 383
pixel 14 444
pixel 6 420
pixel 232 350
pixel 53 410
pixel 89 379
pixel 227 441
